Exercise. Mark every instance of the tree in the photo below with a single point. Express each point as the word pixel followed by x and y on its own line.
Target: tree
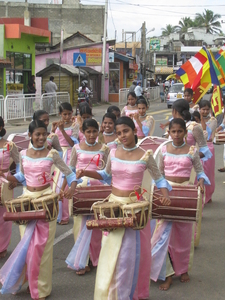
pixel 184 24
pixel 209 20
pixel 168 30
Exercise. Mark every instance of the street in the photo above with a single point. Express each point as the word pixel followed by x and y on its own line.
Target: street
pixel 207 275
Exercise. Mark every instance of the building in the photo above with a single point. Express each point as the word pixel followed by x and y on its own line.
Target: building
pixel 71 16
pixel 17 49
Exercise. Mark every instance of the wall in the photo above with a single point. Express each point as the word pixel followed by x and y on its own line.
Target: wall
pixel 68 59
pixel 70 16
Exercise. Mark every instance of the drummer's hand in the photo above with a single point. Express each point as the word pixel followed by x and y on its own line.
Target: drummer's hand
pixel 61 195
pixel 79 173
pixel 136 116
pixel 54 126
pixel 162 126
pixel 74 119
pixel 131 116
pixel 165 201
pixel 69 193
pixel 201 184
pixel 49 147
pixel 2 174
pixel 12 185
pixel 61 125
pixel 219 128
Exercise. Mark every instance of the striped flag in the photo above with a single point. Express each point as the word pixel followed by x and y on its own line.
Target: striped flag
pixel 218 69
pixel 220 59
pixel 217 101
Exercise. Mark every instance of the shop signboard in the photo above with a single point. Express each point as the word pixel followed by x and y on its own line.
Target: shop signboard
pixel 154 44
pixel 93 56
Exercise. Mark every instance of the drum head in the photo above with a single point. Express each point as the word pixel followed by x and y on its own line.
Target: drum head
pixel 45 198
pixel 21 140
pixel 151 143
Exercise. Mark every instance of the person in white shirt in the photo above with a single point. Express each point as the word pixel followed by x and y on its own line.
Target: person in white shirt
pixel 50 87
pixel 138 90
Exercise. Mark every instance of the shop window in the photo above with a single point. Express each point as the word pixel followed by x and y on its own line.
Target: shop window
pixel 21 67
pixel 114 78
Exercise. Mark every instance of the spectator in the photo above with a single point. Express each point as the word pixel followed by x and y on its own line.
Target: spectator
pixel 138 90
pixel 31 85
pixel 50 86
pixel 133 86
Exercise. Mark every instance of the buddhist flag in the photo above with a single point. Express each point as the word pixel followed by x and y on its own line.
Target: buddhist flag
pixel 218 69
pixel 217 101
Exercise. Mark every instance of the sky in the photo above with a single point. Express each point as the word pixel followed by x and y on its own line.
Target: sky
pixel 130 14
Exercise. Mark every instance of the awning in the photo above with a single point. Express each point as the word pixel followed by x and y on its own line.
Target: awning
pixel 4 63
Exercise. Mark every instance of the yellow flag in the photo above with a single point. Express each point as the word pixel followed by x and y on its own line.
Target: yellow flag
pixel 217 101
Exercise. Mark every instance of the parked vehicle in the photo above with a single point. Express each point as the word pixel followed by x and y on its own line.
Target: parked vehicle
pixel 175 92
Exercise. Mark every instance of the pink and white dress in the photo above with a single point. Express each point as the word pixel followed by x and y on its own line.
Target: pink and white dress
pixel 112 280
pixel 32 259
pixel 175 238
pixel 87 242
pixel 72 132
pixel 148 127
pixel 10 151
pixel 126 111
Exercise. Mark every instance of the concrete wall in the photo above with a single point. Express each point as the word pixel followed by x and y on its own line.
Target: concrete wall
pixel 70 16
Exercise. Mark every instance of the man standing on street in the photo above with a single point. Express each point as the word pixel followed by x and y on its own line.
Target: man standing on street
pixel 138 90
pixel 50 87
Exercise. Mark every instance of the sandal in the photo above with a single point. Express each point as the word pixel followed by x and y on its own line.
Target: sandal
pixel 83 271
pixel 221 169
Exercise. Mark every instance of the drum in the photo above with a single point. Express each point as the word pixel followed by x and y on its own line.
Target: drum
pixel 220 137
pixel 48 203
pixel 21 140
pixel 85 197
pixel 151 143
pixel 19 205
pixel 25 216
pixel 106 210
pixel 184 207
pixel 110 224
pixel 140 211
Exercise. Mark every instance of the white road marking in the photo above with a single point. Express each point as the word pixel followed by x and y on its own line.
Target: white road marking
pixel 63 236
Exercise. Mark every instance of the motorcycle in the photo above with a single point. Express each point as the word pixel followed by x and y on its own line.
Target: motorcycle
pixel 83 97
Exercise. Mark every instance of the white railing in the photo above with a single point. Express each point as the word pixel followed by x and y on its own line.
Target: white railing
pixel 20 106
pixel 51 101
pixel 123 96
pixel 2 106
pixel 153 93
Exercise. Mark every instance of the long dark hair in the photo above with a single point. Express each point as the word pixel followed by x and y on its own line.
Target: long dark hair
pixel 178 121
pixel 37 114
pixel 65 106
pixel 182 107
pixel 89 123
pixel 2 124
pixel 127 121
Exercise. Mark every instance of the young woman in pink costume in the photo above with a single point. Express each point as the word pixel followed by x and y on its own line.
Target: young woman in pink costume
pixel 108 128
pixel 32 258
pixel 172 242
pixel 86 242
pixel 123 270
pixel 210 124
pixel 7 150
pixel 67 133
pixel 145 124
pixel 114 110
pixel 131 107
pixel 52 139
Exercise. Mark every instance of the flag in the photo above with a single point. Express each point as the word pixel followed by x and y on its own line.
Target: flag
pixel 220 59
pixel 217 101
pixel 198 73
pixel 218 69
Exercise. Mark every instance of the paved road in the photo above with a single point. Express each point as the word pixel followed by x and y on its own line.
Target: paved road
pixel 207 276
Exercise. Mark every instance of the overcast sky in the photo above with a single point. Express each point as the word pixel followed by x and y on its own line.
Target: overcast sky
pixel 130 14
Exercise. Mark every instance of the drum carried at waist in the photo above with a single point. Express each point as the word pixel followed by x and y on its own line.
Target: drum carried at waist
pixel 85 197
pixel 24 209
pixel 220 137
pixel 184 207
pixel 112 215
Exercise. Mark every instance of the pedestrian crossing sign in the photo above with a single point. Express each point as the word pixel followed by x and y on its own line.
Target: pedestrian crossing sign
pixel 79 59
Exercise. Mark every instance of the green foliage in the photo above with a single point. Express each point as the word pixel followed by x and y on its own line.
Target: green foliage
pixel 209 20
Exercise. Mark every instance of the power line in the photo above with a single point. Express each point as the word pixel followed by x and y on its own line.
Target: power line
pixel 112 15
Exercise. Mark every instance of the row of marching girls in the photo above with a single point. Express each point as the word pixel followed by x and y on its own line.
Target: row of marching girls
pixel 32 259
pixel 173 242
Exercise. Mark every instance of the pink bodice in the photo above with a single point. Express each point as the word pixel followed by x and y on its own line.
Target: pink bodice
pixel 35 168
pixel 139 130
pixel 4 159
pixel 129 112
pixel 177 165
pixel 84 157
pixel 126 174
pixel 190 138
pixel 63 142
pixel 81 137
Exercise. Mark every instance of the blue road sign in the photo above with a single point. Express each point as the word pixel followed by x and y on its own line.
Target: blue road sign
pixel 79 59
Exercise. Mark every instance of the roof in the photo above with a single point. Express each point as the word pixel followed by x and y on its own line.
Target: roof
pixel 69 69
pixel 4 63
pixel 110 43
pixel 78 33
pixel 14 31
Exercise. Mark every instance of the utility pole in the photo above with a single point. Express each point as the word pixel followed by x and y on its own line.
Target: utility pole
pixel 104 52
pixel 143 56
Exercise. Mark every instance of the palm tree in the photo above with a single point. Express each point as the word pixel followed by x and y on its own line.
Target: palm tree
pixel 209 20
pixel 184 24
pixel 168 30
